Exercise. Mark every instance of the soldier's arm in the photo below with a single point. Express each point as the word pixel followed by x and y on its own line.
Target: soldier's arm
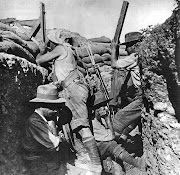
pixel 114 54
pixel 42 134
pixel 56 52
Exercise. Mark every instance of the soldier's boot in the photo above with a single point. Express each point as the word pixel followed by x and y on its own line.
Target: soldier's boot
pixel 136 162
pixel 112 167
pixel 89 143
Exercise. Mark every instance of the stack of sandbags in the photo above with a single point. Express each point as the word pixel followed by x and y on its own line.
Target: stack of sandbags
pixel 14 41
pixel 102 55
pixel 101 51
pixel 104 60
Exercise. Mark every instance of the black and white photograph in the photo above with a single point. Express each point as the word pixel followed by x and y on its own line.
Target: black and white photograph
pixel 90 87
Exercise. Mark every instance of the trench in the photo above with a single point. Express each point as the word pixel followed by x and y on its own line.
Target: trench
pixel 20 76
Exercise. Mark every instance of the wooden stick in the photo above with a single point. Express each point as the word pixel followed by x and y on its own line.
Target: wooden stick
pixel 121 21
pixel 40 23
pixel 43 22
pixel 35 28
pixel 116 40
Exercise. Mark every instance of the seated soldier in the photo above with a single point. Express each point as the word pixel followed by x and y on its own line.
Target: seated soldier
pixel 105 140
pixel 44 150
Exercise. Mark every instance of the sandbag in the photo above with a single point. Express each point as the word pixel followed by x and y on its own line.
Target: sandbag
pixel 12 36
pixel 10 47
pixel 97 58
pixel 108 63
pixel 8 20
pixel 82 51
pixel 32 47
pixel 8 28
pixel 107 45
pixel 28 23
pixel 106 56
pixel 122 52
pixel 97 49
pixel 29 45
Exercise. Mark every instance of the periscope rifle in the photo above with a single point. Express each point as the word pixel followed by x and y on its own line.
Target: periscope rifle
pixel 108 119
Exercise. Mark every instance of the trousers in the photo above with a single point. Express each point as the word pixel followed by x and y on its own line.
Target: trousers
pixel 76 95
pixel 107 148
pixel 127 115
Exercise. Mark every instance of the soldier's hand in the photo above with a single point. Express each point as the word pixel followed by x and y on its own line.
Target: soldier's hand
pixel 61 136
pixel 114 45
pixel 42 47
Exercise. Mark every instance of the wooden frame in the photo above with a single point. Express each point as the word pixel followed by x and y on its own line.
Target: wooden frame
pixel 39 24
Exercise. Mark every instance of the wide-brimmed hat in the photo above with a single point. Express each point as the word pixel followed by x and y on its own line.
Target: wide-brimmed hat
pixel 132 37
pixel 47 93
pixel 57 36
pixel 100 100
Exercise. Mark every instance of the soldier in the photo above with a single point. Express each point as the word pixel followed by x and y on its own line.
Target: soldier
pixel 42 142
pixel 105 140
pixel 74 89
pixel 130 92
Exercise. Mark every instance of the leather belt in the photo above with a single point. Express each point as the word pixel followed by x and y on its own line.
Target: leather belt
pixel 70 78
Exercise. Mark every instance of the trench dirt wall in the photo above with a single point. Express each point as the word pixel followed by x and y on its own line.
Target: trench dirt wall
pixel 161 127
pixel 18 82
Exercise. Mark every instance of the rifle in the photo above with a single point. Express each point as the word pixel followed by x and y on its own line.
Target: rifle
pixel 114 90
pixel 108 119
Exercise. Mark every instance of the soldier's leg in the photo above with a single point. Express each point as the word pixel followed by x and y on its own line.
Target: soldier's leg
pixel 76 96
pixel 112 148
pixel 127 115
pixel 90 145
pixel 130 128
pixel 122 154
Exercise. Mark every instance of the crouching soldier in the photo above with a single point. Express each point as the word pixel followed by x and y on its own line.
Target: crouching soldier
pixel 105 140
pixel 45 153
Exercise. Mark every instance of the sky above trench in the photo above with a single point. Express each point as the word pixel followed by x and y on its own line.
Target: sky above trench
pixel 91 18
